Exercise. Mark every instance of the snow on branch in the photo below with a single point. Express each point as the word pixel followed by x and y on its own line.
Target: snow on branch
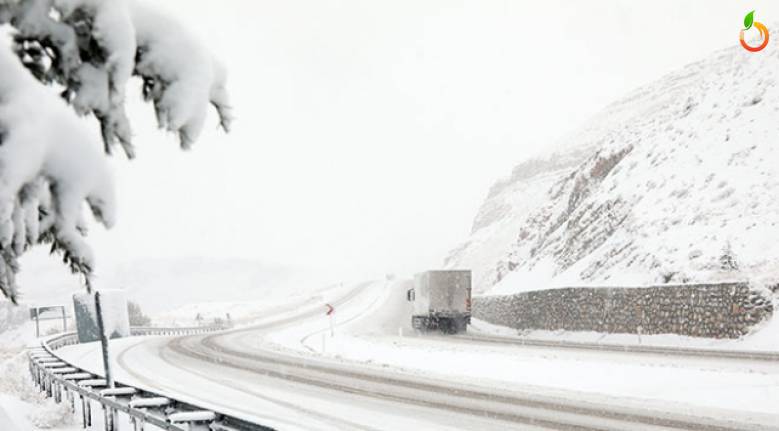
pixel 50 162
pixel 92 48
pixel 179 76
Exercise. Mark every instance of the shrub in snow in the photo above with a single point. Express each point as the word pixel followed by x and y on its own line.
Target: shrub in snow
pixel 137 317
pixel 116 321
pixel 728 260
pixel 50 162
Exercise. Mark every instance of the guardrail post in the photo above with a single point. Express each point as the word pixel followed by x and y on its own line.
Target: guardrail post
pixel 108 415
pixel 138 424
pixel 71 399
pixel 83 411
pixel 86 408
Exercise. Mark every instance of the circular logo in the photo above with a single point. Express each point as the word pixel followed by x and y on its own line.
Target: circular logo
pixel 749 22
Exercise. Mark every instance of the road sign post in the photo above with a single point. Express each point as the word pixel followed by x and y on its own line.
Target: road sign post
pixel 103 340
pixel 36 312
pixel 330 313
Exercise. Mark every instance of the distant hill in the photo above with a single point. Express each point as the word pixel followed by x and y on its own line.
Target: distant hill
pixel 163 284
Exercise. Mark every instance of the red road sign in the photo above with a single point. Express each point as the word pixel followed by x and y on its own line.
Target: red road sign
pixel 330 309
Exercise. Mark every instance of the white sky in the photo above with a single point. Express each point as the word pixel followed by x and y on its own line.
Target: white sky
pixel 368 132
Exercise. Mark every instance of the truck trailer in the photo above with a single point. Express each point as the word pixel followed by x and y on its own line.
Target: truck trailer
pixel 441 301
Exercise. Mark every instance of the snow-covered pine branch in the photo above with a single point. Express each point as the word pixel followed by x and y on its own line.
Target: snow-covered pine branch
pixel 50 162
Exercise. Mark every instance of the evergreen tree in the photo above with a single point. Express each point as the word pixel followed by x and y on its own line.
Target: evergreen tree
pixel 728 259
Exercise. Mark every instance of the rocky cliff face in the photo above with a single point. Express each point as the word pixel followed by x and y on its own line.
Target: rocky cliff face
pixel 662 187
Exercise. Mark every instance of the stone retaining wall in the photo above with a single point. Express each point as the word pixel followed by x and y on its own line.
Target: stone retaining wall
pixel 727 310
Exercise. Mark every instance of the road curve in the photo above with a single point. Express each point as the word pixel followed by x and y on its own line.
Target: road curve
pixel 232 350
pixel 233 372
pixel 277 399
pixel 527 409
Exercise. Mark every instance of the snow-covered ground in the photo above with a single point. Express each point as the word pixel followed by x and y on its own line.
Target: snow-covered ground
pixel 22 406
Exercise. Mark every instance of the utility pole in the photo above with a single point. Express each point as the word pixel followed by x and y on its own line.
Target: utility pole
pixel 103 341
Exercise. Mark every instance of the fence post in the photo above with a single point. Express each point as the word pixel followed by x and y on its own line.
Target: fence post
pixel 83 410
pixel 71 400
pixel 87 412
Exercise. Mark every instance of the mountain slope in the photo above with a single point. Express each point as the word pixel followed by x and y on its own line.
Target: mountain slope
pixel 655 189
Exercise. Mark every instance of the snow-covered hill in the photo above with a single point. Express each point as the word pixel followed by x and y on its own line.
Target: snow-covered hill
pixel 652 190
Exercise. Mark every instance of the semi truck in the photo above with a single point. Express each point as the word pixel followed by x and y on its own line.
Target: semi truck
pixel 441 301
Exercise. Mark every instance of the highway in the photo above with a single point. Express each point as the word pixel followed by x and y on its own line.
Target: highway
pixel 241 373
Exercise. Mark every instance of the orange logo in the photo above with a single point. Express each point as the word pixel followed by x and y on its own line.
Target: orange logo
pixel 749 21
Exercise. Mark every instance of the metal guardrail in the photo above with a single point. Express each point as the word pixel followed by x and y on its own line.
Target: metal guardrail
pixel 81 389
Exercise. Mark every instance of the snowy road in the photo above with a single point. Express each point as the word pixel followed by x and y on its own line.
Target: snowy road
pixel 277 398
pixel 272 372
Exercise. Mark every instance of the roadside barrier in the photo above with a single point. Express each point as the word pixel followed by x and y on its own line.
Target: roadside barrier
pixel 143 410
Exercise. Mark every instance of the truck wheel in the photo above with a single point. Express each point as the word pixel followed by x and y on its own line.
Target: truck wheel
pixel 460 326
pixel 448 326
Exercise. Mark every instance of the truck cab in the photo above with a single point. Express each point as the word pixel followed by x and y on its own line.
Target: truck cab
pixel 441 301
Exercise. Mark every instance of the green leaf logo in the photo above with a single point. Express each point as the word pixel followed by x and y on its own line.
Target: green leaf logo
pixel 748 20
